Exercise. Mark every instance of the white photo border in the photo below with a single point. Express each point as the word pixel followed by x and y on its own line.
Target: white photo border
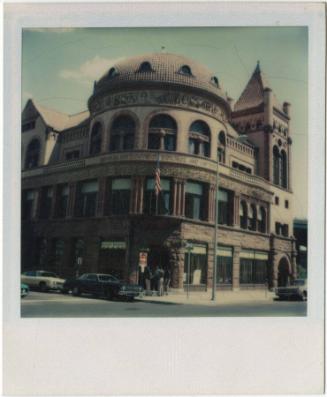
pixel 166 356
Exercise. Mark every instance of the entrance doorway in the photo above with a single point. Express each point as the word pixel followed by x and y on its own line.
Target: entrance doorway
pixel 158 256
pixel 283 273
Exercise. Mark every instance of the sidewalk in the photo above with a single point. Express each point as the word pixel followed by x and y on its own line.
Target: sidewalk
pixel 204 298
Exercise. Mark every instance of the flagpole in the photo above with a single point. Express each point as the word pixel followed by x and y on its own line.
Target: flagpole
pixel 156 182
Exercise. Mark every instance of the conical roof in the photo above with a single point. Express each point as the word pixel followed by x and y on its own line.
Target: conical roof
pixel 253 94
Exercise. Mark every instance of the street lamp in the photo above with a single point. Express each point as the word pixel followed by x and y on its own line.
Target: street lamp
pixel 241 138
pixel 189 248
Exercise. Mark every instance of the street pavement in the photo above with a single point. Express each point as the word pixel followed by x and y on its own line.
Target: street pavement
pixel 227 304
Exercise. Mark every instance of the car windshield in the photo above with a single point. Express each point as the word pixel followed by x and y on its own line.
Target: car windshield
pixel 48 274
pixel 104 277
pixel 298 282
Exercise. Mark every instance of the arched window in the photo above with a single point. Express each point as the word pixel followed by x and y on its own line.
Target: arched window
pixel 185 69
pixel 252 217
pixel 283 169
pixel 145 67
pixel 221 147
pixel 276 168
pixel 112 73
pixel 243 215
pixel 199 139
pixel 262 220
pixel 122 134
pixel 215 81
pixel 162 133
pixel 96 139
pixel 32 154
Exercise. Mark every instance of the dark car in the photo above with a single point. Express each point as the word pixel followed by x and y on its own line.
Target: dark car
pixel 104 285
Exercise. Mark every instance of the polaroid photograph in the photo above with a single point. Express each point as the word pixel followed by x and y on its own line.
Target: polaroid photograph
pixel 164 165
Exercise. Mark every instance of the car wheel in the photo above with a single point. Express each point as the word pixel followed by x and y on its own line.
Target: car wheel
pixel 76 291
pixel 43 287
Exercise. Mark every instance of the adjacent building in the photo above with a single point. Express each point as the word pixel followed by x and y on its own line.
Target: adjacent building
pixel 88 186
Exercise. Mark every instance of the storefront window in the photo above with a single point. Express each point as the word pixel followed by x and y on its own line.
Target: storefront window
pixel 160 204
pixel 253 267
pixel 120 196
pixel 197 266
pixel 224 265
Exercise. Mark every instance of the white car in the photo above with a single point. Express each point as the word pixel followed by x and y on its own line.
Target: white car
pixel 297 289
pixel 42 280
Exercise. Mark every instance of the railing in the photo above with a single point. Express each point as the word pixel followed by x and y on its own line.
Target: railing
pixel 240 147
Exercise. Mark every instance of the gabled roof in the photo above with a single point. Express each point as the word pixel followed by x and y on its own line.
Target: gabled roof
pixel 54 119
pixel 253 94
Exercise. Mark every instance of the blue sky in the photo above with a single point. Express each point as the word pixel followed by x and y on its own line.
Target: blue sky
pixel 59 67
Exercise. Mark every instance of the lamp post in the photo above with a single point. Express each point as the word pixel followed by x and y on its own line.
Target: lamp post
pixel 189 248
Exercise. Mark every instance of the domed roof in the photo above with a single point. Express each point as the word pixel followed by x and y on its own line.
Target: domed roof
pixel 163 68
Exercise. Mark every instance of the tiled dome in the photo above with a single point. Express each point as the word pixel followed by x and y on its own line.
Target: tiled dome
pixel 161 68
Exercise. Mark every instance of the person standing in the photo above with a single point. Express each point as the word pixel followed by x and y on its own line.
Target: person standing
pixel 160 278
pixel 148 278
pixel 167 279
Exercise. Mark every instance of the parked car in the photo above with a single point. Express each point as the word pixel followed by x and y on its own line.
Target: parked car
pixel 42 280
pixel 297 289
pixel 102 285
pixel 24 290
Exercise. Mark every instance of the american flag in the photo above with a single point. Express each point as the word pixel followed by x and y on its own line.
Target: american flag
pixel 157 183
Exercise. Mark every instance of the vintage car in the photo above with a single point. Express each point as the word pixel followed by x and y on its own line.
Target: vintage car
pixel 42 280
pixel 24 290
pixel 297 289
pixel 104 285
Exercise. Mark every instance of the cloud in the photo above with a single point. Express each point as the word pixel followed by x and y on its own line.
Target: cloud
pixel 50 30
pixel 89 71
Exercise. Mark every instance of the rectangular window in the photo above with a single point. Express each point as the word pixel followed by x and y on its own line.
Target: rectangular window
pixel 276 200
pixel 278 228
pixel 194 200
pixel 120 196
pixel 62 201
pixel 286 204
pixel 225 207
pixel 284 230
pixel 46 202
pixel 28 204
pixel 86 199
pixel 160 205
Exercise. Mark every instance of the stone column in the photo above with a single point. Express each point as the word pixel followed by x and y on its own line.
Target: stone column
pixel 177 261
pixel 71 199
pixel 236 268
pixel 182 198
pixel 101 196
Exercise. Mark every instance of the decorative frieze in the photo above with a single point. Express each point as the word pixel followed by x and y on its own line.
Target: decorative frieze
pixel 159 98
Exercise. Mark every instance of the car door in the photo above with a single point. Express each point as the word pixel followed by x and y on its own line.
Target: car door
pixel 91 285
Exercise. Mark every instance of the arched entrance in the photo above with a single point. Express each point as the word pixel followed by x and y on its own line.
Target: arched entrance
pixel 158 256
pixel 283 272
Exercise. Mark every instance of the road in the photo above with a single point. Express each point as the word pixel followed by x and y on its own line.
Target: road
pixel 38 304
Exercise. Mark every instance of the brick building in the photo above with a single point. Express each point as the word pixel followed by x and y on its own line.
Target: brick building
pixel 88 179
